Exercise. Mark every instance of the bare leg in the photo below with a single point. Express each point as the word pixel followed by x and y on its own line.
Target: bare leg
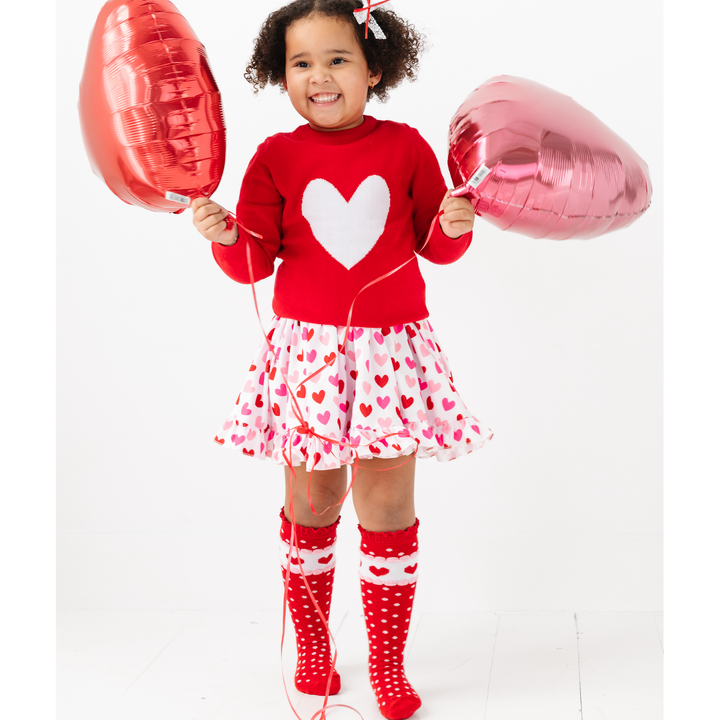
pixel 327 488
pixel 385 504
pixel 384 494
pixel 314 532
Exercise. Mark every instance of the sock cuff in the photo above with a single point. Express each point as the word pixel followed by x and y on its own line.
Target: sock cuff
pixel 389 558
pixel 309 538
pixel 390 544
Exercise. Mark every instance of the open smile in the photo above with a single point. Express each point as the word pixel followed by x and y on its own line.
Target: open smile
pixel 324 98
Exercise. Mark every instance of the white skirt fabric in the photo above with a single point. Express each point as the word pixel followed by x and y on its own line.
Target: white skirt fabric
pixel 389 392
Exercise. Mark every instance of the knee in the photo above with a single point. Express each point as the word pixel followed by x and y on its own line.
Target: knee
pixel 326 493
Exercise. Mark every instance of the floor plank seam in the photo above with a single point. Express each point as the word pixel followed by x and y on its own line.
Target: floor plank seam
pixel 577 639
pixel 492 660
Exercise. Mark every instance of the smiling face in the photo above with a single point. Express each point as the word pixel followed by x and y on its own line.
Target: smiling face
pixel 326 74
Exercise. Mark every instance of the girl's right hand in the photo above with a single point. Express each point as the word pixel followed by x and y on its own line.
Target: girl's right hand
pixel 209 219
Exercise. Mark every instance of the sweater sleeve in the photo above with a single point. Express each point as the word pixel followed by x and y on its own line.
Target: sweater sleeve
pixel 259 209
pixel 428 189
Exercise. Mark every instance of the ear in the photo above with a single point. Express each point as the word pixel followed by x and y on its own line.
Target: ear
pixel 374 77
pixel 284 84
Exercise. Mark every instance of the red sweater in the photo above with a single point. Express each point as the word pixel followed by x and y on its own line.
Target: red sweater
pixel 340 209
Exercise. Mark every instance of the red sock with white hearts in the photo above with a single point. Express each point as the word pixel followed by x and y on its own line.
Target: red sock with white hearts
pixel 388 575
pixel 317 555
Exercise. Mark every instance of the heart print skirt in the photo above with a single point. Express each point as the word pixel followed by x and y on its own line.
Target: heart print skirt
pixel 388 392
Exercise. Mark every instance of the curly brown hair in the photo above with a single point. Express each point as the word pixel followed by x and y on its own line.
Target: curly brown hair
pixel 397 57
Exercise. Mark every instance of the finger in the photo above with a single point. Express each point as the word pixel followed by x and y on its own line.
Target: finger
pixel 199 202
pixel 461 215
pixel 208 211
pixel 212 226
pixel 454 203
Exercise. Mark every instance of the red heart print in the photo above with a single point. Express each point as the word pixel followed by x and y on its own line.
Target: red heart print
pixel 301 391
pixel 396 446
pixel 276 409
pixel 248 452
pixel 365 409
pixel 410 569
pixel 318 396
pixel 430 403
pixel 379 572
pixel 396 364
pixel 252 367
pixel 300 356
pixel 381 380
pixel 353 374
pixel 407 401
pixel 258 401
pixel 325 560
pixel 330 359
pixel 272 373
pixel 294 560
pixel 385 331
pixel 310 334
pixel 316 458
pixel 374 449
pixel 219 442
pixel 341 386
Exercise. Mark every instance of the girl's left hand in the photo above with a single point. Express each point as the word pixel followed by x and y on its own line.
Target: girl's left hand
pixel 458 216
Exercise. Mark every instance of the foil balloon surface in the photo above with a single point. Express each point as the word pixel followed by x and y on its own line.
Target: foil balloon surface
pixel 533 161
pixel 149 107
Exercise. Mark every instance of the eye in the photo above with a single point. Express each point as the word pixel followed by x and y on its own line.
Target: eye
pixel 337 61
pixel 302 64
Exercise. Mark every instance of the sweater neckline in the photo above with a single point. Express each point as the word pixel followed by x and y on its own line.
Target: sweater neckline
pixel 337 137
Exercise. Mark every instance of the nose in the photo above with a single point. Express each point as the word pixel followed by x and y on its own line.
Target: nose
pixel 320 75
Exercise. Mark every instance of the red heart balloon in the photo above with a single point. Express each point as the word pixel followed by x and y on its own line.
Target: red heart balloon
pixel 149 107
pixel 534 161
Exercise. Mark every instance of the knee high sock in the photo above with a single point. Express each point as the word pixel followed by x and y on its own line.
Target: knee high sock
pixel 388 575
pixel 317 555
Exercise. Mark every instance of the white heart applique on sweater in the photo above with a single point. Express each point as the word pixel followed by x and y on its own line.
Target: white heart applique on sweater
pixel 347 230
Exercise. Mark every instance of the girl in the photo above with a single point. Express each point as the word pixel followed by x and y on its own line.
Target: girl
pixel 345 200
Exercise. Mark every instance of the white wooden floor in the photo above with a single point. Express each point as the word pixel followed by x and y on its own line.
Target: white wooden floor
pixel 202 665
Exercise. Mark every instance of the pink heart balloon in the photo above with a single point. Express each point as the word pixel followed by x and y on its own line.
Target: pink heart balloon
pixel 149 107
pixel 534 161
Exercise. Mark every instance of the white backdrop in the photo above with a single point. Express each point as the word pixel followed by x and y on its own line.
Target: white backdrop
pixel 562 510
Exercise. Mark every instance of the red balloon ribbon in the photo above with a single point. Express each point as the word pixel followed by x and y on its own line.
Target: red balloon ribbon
pixel 367 9
pixel 303 428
